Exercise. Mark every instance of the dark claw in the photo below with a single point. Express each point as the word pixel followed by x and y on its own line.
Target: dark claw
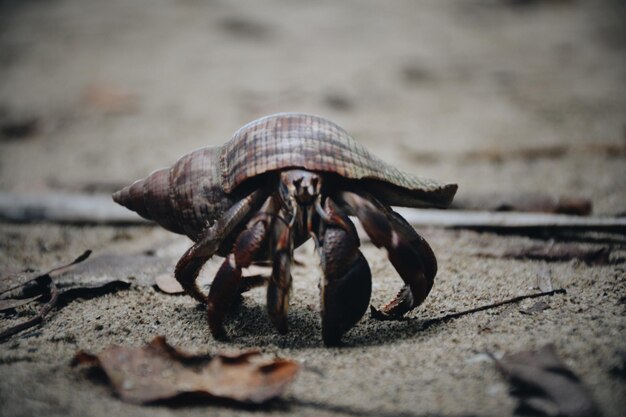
pixel 228 281
pixel 345 300
pixel 347 282
pixel 224 289
pixel 408 252
pixel 396 308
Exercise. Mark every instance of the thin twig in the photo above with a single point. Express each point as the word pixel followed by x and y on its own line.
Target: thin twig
pixel 513 300
pixel 65 208
pixel 378 315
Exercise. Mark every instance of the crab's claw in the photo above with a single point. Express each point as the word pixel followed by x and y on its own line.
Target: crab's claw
pixel 408 252
pixel 347 283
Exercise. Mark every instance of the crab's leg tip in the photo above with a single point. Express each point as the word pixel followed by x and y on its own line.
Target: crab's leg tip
pixel 332 339
pixel 218 333
pixel 280 324
pixel 377 314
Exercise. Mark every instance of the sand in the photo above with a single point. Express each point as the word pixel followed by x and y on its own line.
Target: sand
pixel 109 91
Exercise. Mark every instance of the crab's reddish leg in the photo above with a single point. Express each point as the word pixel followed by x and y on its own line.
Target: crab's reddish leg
pixel 228 281
pixel 190 264
pixel 409 253
pixel 347 283
pixel 279 284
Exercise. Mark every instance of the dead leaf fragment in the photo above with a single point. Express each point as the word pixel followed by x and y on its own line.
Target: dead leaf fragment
pixel 43 284
pixel 544 385
pixel 106 268
pixel 158 371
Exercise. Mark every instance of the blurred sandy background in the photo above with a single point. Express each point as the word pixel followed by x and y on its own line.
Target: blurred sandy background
pixel 495 95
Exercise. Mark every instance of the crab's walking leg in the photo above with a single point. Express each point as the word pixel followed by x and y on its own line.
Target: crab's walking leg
pixel 190 264
pixel 409 253
pixel 279 284
pixel 228 280
pixel 347 283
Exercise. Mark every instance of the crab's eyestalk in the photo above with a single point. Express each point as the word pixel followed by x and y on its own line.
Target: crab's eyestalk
pixel 303 186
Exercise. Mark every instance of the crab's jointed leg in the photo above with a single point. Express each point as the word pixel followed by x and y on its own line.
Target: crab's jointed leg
pixel 227 283
pixel 279 284
pixel 347 282
pixel 408 252
pixel 190 264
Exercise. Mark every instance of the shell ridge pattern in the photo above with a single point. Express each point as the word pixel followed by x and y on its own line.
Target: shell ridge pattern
pixel 182 187
pixel 291 140
pixel 173 174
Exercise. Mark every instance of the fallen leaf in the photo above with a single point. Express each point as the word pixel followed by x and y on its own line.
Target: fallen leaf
pixel 53 296
pixel 158 371
pixel 544 385
pixel 44 284
pixel 103 269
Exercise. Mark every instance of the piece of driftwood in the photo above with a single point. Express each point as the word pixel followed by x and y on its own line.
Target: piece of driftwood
pixel 64 208
pixel 524 202
pixel 485 220
pixel 553 252
pixel 100 209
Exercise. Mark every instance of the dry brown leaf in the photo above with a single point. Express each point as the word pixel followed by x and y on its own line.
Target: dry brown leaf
pixel 544 385
pixel 41 283
pixel 103 269
pixel 158 371
pixel 97 276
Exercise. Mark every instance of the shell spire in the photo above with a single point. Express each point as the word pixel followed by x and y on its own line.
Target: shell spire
pixel 183 198
pixel 150 198
pixel 131 197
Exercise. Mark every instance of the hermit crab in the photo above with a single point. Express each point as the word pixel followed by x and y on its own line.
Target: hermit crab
pixel 280 180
